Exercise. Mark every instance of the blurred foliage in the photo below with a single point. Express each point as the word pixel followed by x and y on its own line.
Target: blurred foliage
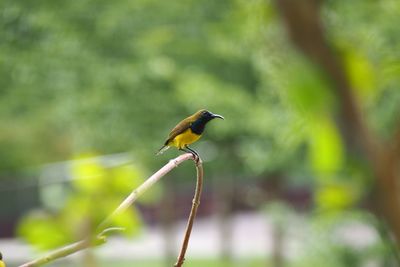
pixel 332 239
pixel 111 77
pixel 96 191
pixel 190 262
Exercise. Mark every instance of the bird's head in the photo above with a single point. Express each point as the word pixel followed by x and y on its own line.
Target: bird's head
pixel 200 119
pixel 206 115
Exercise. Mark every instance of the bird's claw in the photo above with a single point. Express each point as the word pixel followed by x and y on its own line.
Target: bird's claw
pixel 196 159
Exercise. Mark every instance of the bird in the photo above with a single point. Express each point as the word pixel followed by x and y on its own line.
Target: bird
pixel 188 131
pixel 2 264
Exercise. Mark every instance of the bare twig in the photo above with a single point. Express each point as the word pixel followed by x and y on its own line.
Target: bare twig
pixel 71 249
pixel 135 194
pixel 102 228
pixel 193 211
pixel 75 247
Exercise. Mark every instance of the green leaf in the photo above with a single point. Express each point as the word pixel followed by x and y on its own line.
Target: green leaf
pixel 326 150
pixel 42 230
pixel 89 175
pixel 361 74
pixel 334 196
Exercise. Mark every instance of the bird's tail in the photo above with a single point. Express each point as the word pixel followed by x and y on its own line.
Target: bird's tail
pixel 162 150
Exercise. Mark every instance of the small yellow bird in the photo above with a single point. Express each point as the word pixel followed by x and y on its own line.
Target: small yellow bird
pixel 2 264
pixel 188 131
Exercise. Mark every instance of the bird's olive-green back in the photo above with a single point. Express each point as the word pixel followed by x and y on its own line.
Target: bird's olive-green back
pixel 183 125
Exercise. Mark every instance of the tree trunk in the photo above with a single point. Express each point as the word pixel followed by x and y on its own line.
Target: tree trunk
pixel 302 19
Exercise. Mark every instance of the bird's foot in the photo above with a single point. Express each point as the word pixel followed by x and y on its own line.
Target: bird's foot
pixel 196 156
pixel 196 159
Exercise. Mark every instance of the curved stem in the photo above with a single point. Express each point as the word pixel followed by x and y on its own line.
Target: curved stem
pixel 193 212
pixel 135 194
pixel 64 251
pixel 102 228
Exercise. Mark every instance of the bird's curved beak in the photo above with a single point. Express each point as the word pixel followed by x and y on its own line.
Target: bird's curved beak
pixel 217 116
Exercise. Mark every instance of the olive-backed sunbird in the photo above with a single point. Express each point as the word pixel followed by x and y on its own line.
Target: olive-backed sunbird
pixel 188 131
pixel 2 264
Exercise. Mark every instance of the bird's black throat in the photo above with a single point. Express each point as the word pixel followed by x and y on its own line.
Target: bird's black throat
pixel 198 125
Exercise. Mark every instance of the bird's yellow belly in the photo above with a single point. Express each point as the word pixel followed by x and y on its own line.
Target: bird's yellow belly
pixel 184 139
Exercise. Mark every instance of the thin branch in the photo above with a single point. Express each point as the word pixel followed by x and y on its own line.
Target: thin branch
pixel 75 247
pixel 135 194
pixel 193 212
pixel 102 228
pixel 65 251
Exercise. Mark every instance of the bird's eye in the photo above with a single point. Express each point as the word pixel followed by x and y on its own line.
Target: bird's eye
pixel 204 113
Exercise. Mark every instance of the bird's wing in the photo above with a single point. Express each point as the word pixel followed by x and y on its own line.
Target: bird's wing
pixel 178 129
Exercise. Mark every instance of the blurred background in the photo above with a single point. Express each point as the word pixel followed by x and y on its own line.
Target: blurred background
pixel 90 90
